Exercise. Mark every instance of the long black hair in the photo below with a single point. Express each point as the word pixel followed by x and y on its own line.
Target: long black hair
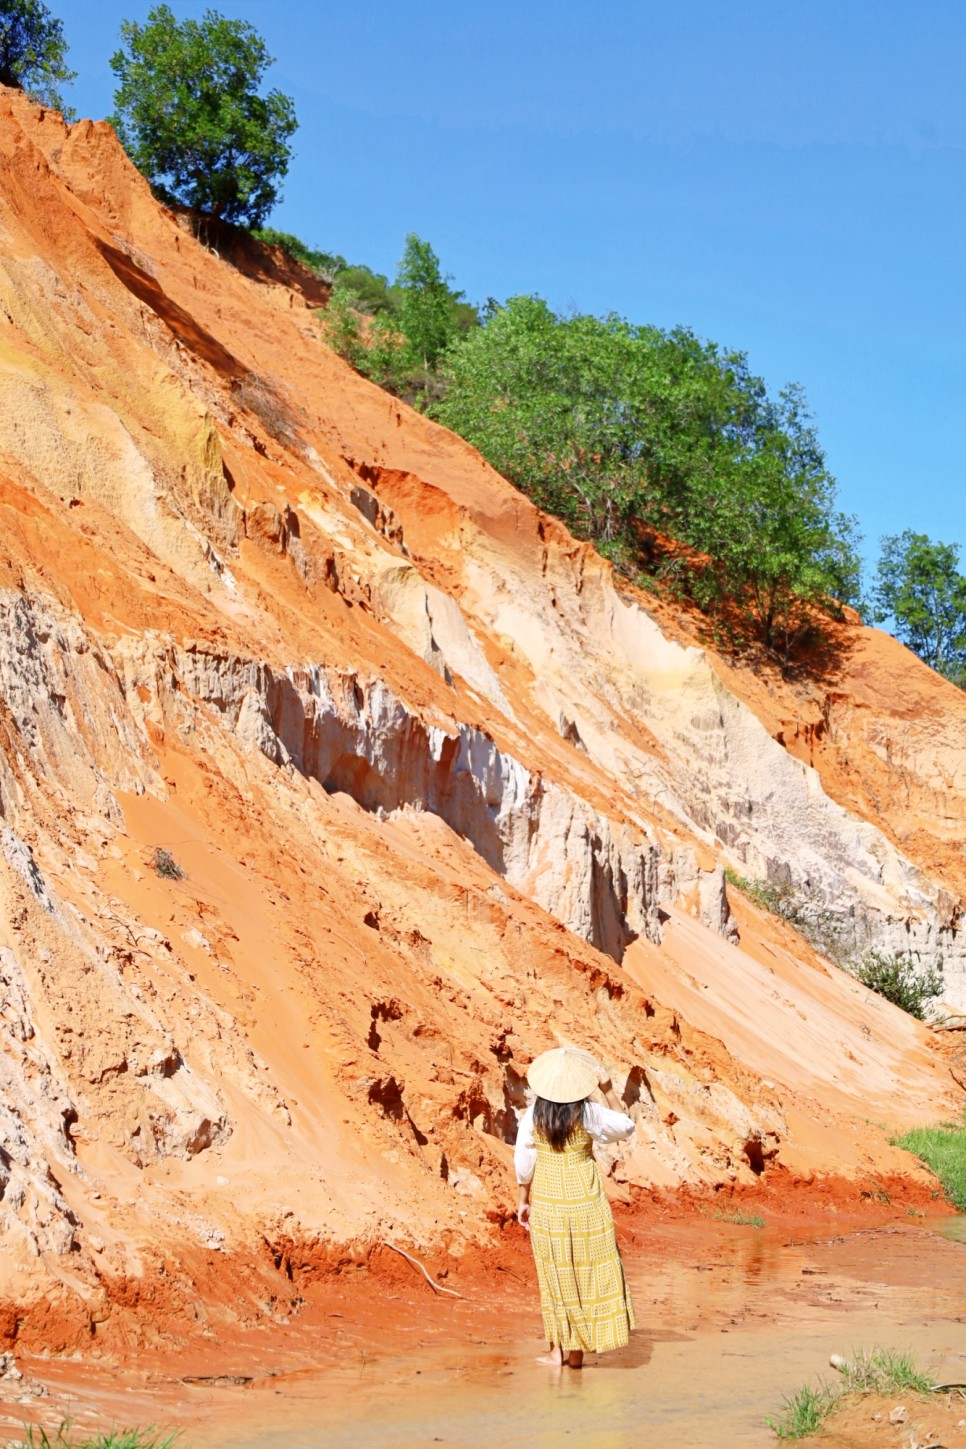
pixel 556 1121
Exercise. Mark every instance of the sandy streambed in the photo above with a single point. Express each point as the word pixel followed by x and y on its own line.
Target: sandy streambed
pixel 731 1318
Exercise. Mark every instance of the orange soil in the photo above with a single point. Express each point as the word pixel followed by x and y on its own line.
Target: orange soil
pixel 314 1040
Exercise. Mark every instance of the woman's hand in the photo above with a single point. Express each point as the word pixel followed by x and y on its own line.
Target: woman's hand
pixel 523 1215
pixel 606 1089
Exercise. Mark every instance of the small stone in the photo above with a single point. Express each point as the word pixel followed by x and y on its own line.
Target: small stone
pixel 898 1415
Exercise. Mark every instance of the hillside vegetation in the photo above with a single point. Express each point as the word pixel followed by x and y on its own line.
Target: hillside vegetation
pixel 663 449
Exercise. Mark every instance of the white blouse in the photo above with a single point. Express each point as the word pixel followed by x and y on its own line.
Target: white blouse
pixel 603 1125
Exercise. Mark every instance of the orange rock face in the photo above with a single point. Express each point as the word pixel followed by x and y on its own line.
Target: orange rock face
pixel 336 782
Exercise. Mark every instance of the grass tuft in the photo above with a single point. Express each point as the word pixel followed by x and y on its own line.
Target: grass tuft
pixel 943 1149
pixel 738 1215
pixel 884 1371
pixel 63 1438
pixel 803 1413
pixel 873 1371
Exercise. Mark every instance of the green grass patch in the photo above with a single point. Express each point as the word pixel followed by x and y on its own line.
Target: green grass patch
pixel 65 1437
pixel 884 1371
pixel 874 1371
pixel 803 1413
pixel 943 1149
pixel 739 1216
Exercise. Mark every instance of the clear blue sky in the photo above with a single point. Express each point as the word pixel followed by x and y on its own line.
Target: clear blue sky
pixel 783 178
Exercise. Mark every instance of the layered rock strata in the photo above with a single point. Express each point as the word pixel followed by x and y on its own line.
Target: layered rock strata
pixel 336 781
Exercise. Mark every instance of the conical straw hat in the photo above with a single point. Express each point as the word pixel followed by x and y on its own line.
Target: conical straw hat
pixel 565 1074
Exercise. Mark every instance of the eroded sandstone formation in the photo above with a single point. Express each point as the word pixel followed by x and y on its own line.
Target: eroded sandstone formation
pixel 336 781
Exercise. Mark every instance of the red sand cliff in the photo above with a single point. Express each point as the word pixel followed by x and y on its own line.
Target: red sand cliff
pixel 442 795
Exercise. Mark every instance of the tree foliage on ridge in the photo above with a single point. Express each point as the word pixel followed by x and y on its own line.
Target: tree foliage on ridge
pixel 920 590
pixel 627 432
pixel 398 334
pixel 33 52
pixel 189 113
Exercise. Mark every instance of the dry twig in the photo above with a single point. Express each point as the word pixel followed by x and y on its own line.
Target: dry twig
pixel 436 1287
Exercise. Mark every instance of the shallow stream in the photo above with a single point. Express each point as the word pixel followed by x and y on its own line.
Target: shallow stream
pixel 730 1319
pixel 719 1343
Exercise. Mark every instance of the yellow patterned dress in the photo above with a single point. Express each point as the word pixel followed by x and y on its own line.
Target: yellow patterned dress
pixel 584 1297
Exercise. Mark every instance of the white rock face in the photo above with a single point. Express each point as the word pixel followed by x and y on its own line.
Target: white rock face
pixel 603 880
pixel 703 755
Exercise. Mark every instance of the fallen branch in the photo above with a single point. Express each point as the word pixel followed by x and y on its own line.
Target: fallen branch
pixel 436 1287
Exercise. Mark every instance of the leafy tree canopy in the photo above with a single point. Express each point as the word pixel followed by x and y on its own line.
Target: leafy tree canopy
pixel 33 52
pixel 189 113
pixel 397 334
pixel 624 429
pixel 919 589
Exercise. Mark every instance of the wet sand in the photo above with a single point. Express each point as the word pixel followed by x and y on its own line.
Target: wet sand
pixel 731 1318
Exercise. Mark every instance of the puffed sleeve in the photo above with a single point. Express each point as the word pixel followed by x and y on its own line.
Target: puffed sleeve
pixel 606 1126
pixel 525 1151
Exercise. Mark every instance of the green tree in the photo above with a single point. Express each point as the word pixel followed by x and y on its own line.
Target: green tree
pixel 33 52
pixel 632 434
pixel 397 334
pixel 919 589
pixel 428 308
pixel 189 113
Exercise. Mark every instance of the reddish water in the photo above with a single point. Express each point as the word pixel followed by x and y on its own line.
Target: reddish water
pixel 731 1319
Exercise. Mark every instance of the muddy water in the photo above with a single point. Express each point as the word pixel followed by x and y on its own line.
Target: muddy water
pixel 730 1319
pixel 720 1341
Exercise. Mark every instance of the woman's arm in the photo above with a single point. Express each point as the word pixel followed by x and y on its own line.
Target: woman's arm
pixel 610 1123
pixel 524 1162
pixel 606 1088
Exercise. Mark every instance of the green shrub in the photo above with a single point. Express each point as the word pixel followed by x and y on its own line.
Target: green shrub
pixel 326 265
pixel 943 1150
pixel 898 980
pixel 397 335
pixel 805 910
pixel 632 435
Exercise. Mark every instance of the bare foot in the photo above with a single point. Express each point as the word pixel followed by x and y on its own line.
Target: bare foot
pixel 575 1358
pixel 553 1359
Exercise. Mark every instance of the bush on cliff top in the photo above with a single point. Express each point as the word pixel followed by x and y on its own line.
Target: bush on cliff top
pixel 326 265
pixel 398 334
pixel 632 435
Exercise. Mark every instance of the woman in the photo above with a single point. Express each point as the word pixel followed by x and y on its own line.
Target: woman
pixel 583 1295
